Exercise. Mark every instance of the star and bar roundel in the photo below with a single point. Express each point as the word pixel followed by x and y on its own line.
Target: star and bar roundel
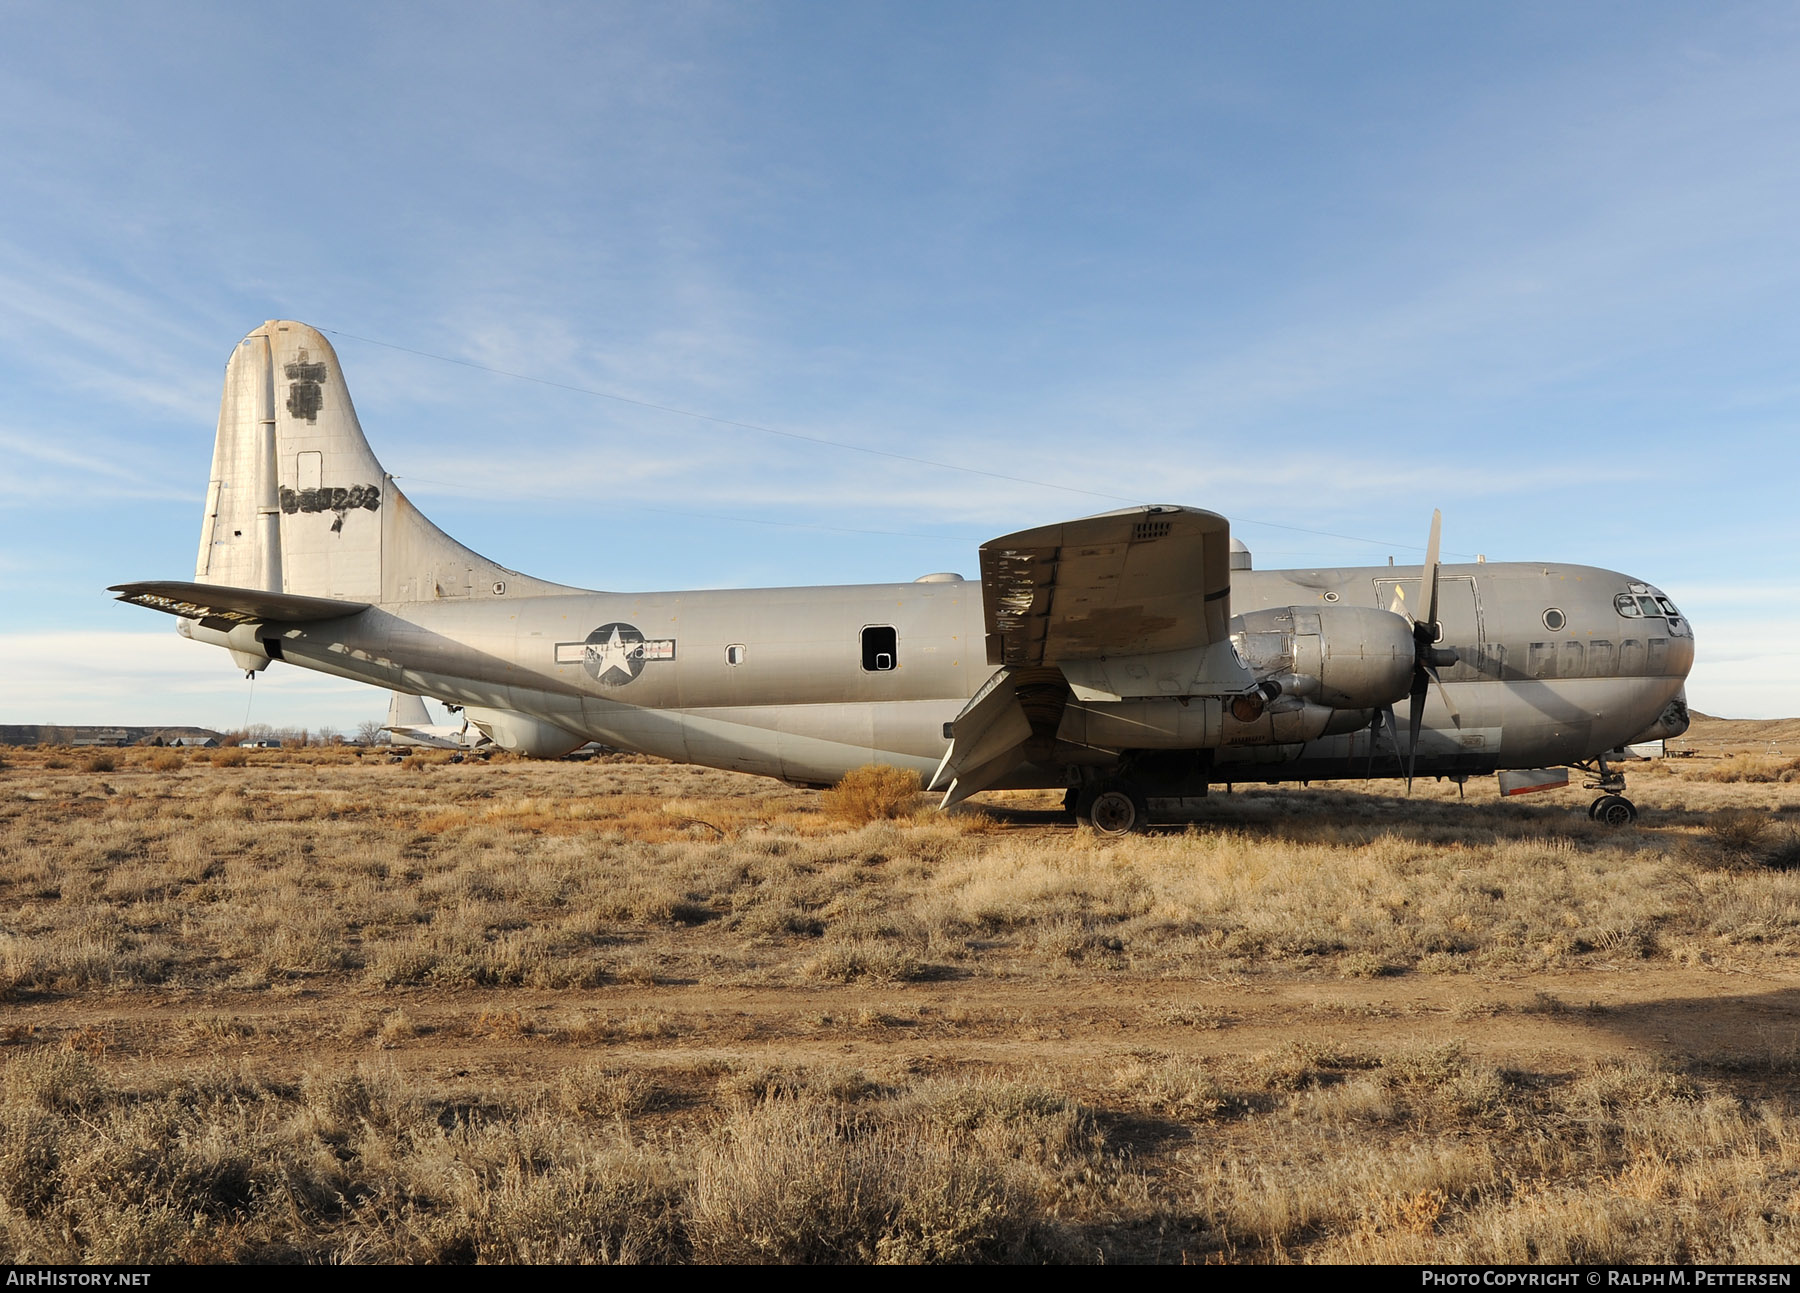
pixel 614 654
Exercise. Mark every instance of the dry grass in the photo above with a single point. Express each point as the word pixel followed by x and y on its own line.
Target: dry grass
pixel 375 875
pixel 1753 768
pixel 876 792
pixel 1403 1157
pixel 448 1013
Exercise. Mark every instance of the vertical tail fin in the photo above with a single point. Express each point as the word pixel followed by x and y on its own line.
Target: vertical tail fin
pixel 407 710
pixel 297 502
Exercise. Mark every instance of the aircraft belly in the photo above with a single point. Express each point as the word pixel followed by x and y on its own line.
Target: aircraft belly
pixel 631 727
pixel 822 742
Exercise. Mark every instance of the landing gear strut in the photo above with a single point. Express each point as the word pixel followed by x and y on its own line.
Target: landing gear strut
pixel 1611 808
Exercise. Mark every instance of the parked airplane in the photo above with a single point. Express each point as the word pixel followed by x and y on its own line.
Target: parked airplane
pixel 409 724
pixel 1122 657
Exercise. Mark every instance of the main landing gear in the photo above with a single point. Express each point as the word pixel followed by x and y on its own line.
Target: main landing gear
pixel 1611 808
pixel 1112 807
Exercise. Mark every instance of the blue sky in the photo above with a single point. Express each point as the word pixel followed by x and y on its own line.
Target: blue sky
pixel 1320 268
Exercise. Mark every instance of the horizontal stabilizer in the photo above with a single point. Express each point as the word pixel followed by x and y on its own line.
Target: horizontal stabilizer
pixel 234 605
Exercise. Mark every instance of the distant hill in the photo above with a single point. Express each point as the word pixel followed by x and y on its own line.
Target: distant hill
pixel 1708 729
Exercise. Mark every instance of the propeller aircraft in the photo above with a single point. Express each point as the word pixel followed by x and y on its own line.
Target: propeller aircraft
pixel 1125 658
pixel 409 724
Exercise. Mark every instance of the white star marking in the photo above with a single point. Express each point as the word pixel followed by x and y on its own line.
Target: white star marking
pixel 614 653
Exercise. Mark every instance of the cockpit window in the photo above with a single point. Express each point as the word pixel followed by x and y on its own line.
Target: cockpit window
pixel 1627 605
pixel 1648 606
pixel 1668 607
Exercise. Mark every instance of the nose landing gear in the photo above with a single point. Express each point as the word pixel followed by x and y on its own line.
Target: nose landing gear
pixel 1611 808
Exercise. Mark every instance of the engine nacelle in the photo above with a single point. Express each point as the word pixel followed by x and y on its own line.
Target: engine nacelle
pixel 1340 657
pixel 522 734
pixel 1199 724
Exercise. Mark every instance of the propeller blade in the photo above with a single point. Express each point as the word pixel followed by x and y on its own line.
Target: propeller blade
pixel 1393 727
pixel 1444 695
pixel 1428 576
pixel 1415 720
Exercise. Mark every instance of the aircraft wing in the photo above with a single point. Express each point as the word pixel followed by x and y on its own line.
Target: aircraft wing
pixel 1142 581
pixel 1135 603
pixel 218 603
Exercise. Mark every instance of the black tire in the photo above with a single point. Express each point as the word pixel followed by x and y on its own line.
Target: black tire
pixel 1114 809
pixel 1615 810
pixel 1594 808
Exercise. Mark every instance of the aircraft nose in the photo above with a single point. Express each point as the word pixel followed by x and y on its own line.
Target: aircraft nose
pixel 1681 657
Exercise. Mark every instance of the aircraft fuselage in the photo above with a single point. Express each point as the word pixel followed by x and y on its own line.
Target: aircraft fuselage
pixel 806 683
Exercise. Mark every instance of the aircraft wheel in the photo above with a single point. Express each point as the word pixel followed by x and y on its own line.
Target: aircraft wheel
pixel 1614 810
pixel 1594 808
pixel 1115 810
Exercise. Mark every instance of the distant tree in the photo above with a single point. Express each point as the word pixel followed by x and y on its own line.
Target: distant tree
pixel 329 736
pixel 371 731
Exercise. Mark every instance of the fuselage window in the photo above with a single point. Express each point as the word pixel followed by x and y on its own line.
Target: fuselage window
pixel 880 648
pixel 734 654
pixel 1554 620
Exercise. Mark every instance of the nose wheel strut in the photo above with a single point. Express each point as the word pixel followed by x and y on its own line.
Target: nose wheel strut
pixel 1611 808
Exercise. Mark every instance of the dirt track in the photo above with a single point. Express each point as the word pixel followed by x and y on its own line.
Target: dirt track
pixel 1544 1023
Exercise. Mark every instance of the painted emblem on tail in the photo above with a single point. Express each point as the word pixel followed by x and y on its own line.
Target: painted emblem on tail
pixel 306 395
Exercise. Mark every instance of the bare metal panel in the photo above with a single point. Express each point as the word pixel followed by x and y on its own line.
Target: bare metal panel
pixel 1138 582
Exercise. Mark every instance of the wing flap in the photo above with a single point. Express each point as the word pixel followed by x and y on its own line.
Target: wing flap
pixel 986 740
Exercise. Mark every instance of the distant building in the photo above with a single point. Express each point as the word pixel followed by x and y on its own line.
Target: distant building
pixel 61 734
pixel 100 736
